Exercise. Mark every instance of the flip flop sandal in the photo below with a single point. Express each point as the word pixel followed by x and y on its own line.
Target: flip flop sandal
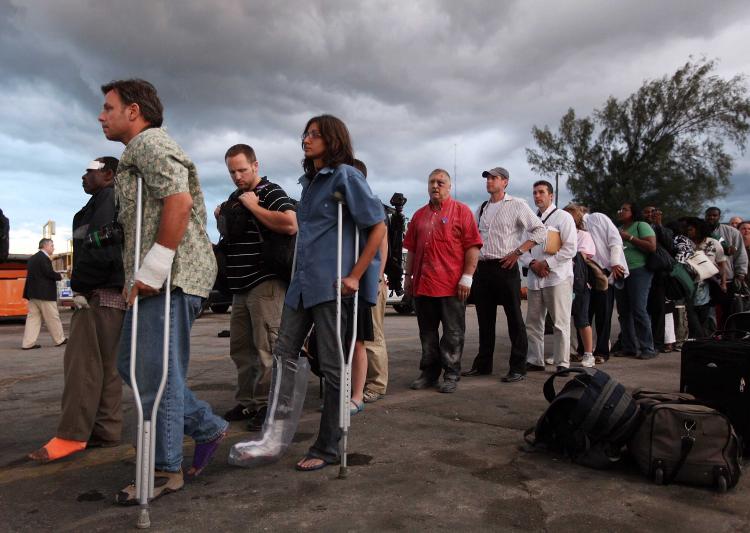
pixel 204 452
pixel 319 466
pixel 355 407
pixel 164 483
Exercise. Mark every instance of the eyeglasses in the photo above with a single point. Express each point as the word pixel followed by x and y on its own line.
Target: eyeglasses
pixel 312 134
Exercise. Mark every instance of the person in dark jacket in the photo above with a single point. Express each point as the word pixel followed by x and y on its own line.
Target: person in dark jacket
pixel 91 413
pixel 41 292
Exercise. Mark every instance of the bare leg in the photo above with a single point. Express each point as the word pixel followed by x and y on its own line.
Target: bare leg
pixel 587 338
pixel 359 372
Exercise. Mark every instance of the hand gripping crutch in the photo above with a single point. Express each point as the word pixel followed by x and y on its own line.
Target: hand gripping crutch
pixel 345 361
pixel 146 445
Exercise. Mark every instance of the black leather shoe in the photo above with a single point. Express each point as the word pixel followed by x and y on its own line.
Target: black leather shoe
pixel 256 422
pixel 422 382
pixel 474 372
pixel 447 386
pixel 535 368
pixel 239 412
pixel 512 377
pixel 561 368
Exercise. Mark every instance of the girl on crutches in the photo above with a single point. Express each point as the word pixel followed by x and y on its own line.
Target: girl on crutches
pixel 312 294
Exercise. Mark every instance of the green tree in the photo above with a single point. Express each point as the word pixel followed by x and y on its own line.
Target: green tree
pixel 663 145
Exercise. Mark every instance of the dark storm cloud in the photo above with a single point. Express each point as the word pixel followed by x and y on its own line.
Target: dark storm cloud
pixel 413 80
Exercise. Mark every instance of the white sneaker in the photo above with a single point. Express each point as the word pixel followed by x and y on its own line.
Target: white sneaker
pixel 549 361
pixel 587 361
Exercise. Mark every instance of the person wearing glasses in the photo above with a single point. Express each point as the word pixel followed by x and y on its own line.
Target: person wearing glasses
pixel 639 240
pixel 311 296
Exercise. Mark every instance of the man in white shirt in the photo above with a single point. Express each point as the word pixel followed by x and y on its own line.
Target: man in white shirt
pixel 503 221
pixel 610 257
pixel 550 282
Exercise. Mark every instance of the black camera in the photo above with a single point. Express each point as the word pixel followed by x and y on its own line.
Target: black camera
pixel 398 200
pixel 107 235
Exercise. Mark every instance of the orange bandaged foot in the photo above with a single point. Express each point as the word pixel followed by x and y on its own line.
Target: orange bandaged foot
pixel 57 449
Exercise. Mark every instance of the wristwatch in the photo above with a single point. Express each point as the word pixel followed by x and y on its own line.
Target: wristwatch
pixel 518 252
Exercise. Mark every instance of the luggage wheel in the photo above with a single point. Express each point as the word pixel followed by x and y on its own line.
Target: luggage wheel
pixel 721 484
pixel 659 476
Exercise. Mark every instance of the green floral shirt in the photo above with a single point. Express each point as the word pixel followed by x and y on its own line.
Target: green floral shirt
pixel 166 170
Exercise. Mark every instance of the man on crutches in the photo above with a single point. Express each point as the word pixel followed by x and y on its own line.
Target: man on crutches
pixel 158 191
pixel 312 294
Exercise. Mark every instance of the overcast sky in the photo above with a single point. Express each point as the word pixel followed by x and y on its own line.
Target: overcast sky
pixel 415 82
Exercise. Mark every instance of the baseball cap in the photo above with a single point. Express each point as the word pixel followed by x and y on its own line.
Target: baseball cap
pixel 95 165
pixel 498 172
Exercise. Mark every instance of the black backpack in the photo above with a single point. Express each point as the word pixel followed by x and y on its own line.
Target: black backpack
pixel 589 420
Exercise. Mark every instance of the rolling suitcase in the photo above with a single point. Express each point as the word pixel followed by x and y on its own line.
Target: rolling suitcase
pixel 716 370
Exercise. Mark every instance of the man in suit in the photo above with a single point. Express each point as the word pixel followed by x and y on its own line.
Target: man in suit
pixel 41 292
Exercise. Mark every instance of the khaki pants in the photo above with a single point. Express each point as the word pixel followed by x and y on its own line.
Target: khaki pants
pixel 253 330
pixel 377 354
pixel 92 397
pixel 38 310
pixel 557 301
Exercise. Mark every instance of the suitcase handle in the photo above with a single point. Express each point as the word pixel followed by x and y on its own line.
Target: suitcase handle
pixel 739 334
pixel 687 442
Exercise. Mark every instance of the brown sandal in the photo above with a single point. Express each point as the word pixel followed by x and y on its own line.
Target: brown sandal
pixel 164 483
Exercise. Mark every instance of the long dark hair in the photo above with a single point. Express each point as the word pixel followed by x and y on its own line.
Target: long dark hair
pixel 335 134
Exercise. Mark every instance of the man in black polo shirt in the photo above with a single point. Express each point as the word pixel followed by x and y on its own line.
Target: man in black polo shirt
pixel 254 209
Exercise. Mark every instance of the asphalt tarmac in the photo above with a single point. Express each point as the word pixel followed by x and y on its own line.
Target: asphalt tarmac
pixel 419 460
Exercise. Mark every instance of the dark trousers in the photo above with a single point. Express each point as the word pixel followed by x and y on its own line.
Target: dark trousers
pixel 600 316
pixel 656 308
pixel 441 353
pixel 493 286
pixel 295 325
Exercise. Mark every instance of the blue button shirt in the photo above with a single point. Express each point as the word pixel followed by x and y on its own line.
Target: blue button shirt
pixel 317 218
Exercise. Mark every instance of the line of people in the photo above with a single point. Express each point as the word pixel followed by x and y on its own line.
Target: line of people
pixel 577 262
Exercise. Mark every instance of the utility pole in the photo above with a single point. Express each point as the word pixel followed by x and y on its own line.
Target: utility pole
pixel 455 174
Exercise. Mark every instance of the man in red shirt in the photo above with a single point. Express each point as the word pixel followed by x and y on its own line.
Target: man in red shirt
pixel 443 244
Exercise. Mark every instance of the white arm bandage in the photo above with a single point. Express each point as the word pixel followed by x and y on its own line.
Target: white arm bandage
pixel 465 281
pixel 156 266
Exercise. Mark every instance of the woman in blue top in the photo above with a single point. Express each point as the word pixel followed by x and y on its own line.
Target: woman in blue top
pixel 639 240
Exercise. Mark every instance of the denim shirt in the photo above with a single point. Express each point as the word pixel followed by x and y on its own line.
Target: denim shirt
pixel 317 219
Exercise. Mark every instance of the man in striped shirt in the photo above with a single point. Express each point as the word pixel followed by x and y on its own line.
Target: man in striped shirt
pixel 254 209
pixel 508 228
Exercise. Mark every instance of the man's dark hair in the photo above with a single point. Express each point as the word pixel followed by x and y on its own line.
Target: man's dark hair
pixel 244 149
pixel 359 165
pixel 110 163
pixel 141 92
pixel 713 208
pixel 338 143
pixel 546 184
pixel 43 242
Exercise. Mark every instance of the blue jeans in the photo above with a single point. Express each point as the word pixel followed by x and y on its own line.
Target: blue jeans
pixel 635 323
pixel 180 413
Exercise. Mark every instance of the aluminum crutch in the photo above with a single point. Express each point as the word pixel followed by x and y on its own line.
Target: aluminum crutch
pixel 345 361
pixel 146 444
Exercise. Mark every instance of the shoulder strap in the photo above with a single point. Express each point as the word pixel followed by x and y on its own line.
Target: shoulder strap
pixel 481 209
pixel 549 385
pixel 544 220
